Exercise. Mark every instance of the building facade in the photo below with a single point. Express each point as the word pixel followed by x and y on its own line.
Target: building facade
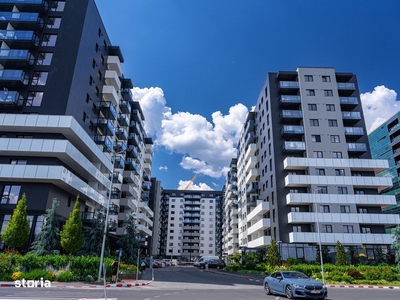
pixel 68 122
pixel 385 143
pixel 305 173
pixel 190 224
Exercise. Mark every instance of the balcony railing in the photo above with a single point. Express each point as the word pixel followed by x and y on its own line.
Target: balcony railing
pixel 348 100
pixel 346 86
pixel 289 84
pixel 19 35
pixel 353 131
pixel 16 55
pixel 104 140
pixel 357 147
pixel 292 129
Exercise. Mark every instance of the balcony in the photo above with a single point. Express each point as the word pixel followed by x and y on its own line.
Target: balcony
pixel 123 120
pixel 114 64
pixel 146 186
pixel 105 141
pixel 294 146
pixel 351 117
pixel 132 165
pixel 111 78
pixel 121 133
pixel 251 176
pixel 127 203
pixel 145 196
pixel 346 86
pixel 258 226
pixel 119 162
pixel 129 191
pixel 125 107
pixel 107 109
pixel 289 86
pixel 354 131
pixel 288 100
pixel 292 130
pixel 112 226
pixel 119 146
pixel 357 147
pixel 126 94
pixel 114 209
pixel 132 152
pixel 348 102
pixel 25 5
pixel 291 115
pixel 19 38
pixel 345 238
pixel 16 58
pixel 250 138
pixel 252 188
pixel 110 94
pixel 115 193
pixel 134 139
pixel 116 177
pixel 146 176
pixel 105 126
pixel 87 217
pixel 131 178
pixel 21 20
pixel 250 125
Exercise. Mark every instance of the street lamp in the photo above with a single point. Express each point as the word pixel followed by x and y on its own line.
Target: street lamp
pixel 318 232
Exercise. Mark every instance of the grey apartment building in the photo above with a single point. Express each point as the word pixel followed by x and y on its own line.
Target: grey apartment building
pixel 304 169
pixel 68 122
pixel 190 224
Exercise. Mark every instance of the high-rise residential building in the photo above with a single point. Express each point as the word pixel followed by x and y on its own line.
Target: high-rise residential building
pixel 305 173
pixel 190 223
pixel 385 144
pixel 68 122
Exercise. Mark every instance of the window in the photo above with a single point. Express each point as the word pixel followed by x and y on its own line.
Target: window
pixel 366 230
pixel 348 229
pixel 295 209
pixel 332 123
pixel 318 154
pixel 310 92
pixel 336 154
pixel 312 106
pixel 39 78
pixel 328 93
pixel 330 107
pixel 345 209
pixel 18 162
pixel 44 59
pixel 327 228
pixel 296 228
pixel 335 139
pixel 57 6
pixel 339 172
pixel 325 208
pixel 10 194
pixel 320 172
pixel 34 99
pixel 316 138
pixel 322 190
pixel 326 78
pixel 362 210
pixel 308 78
pixel 342 190
pixel 53 23
pixel 49 40
pixel 85 116
pixel 314 122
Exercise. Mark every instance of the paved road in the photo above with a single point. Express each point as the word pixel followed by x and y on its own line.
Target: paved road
pixel 186 283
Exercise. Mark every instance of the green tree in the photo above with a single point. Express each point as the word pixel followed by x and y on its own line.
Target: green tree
pixel 273 255
pixel 353 256
pixel 340 255
pixel 129 241
pixel 325 254
pixel 72 234
pixel 17 231
pixel 379 257
pixel 49 239
pixel 396 245
pixel 94 236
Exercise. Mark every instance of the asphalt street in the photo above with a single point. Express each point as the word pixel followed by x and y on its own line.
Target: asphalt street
pixel 185 283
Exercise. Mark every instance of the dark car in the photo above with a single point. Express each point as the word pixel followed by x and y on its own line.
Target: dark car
pixel 293 284
pixel 213 263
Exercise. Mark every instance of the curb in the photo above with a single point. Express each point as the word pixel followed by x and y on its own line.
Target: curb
pixel 126 285
pixel 363 286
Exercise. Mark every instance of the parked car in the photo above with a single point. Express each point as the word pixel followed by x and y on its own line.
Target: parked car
pixel 204 259
pixel 213 263
pixel 167 261
pixel 293 284
pixel 158 264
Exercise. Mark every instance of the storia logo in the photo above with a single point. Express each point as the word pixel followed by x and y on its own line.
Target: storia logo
pixel 32 283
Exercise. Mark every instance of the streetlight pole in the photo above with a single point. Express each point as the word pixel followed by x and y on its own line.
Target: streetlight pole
pixel 318 232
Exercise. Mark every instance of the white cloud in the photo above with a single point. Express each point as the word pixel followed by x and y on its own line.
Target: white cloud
pixel 206 147
pixel 201 186
pixel 163 168
pixel 378 106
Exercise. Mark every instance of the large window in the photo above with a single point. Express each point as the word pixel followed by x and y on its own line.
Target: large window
pixel 314 122
pixel 312 107
pixel 348 229
pixel 332 123
pixel 328 93
pixel 34 99
pixel 327 228
pixel 335 139
pixel 339 172
pixel 345 209
pixel 10 194
pixel 310 92
pixel 326 78
pixel 44 58
pixel 330 107
pixel 316 138
pixel 308 78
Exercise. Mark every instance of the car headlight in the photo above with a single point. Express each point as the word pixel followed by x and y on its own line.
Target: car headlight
pixel 298 285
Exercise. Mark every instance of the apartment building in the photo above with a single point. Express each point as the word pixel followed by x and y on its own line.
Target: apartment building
pixel 190 224
pixel 305 172
pixel 68 122
pixel 385 143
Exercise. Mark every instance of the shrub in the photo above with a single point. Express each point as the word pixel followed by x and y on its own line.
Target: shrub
pixel 355 274
pixel 16 275
pixel 38 274
pixel 65 276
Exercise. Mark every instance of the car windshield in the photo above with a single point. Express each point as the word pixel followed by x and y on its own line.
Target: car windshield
pixel 297 275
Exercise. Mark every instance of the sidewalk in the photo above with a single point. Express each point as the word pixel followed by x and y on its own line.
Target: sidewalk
pixel 145 280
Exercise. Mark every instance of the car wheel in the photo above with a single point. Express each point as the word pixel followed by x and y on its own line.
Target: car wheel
pixel 288 292
pixel 267 289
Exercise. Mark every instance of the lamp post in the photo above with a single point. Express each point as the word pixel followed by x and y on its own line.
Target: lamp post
pixel 318 232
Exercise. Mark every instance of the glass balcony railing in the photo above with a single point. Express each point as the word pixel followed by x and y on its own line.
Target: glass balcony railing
pixel 353 131
pixel 125 106
pixel 346 86
pixel 356 147
pixel 351 115
pixel 22 1
pixel 290 99
pixel 104 140
pixel 298 146
pixel 289 84
pixel 19 16
pixel 127 94
pixel 108 106
pixel 348 100
pixel 16 55
pixel 119 146
pixel 14 75
pixel 293 129
pixel 292 114
pixel 11 97
pixel 19 35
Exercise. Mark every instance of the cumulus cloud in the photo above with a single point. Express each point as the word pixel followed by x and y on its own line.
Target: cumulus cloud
pixel 206 146
pixel 163 168
pixel 201 186
pixel 378 106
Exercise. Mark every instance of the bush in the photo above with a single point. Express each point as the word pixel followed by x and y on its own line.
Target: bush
pixel 16 275
pixel 38 274
pixel 355 274
pixel 65 276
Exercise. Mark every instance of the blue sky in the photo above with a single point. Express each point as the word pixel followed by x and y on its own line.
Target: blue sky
pixel 198 67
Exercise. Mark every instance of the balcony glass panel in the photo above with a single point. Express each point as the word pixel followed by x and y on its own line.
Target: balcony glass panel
pixel 355 115
pixel 295 146
pixel 10 97
pixel 354 130
pixel 19 35
pixel 22 1
pixel 14 75
pixel 19 16
pixel 294 129
pixel 346 86
pixel 348 100
pixel 290 99
pixel 292 114
pixel 289 84
pixel 356 147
